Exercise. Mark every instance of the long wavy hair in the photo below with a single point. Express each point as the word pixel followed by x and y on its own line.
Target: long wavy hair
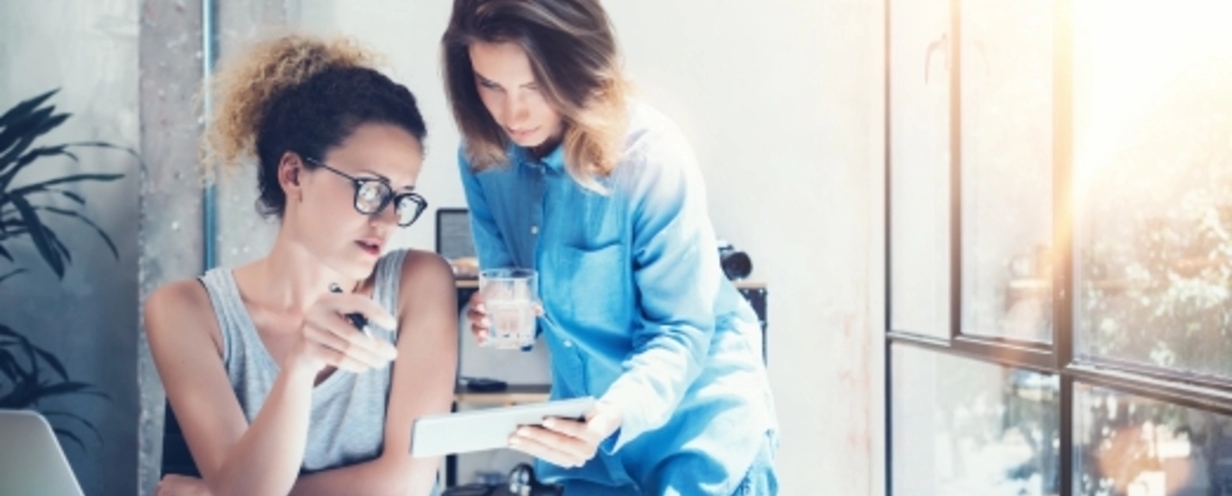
pixel 574 56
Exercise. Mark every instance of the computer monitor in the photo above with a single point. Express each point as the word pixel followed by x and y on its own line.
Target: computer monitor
pixel 453 233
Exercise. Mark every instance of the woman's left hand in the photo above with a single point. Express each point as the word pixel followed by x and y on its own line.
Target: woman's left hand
pixel 568 443
pixel 179 485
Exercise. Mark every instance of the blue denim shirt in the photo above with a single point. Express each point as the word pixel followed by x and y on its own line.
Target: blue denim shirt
pixel 637 310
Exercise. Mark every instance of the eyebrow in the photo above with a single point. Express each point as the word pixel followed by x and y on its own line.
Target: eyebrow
pixel 483 79
pixel 410 187
pixel 494 83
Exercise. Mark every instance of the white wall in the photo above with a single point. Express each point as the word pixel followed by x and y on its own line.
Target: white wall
pixel 783 104
pixel 782 101
pixel 89 319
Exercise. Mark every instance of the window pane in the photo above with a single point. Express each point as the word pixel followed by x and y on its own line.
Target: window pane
pixel 1007 61
pixel 963 427
pixel 1153 183
pixel 1128 445
pixel 920 166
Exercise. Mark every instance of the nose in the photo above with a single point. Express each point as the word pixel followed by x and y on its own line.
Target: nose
pixel 386 217
pixel 516 111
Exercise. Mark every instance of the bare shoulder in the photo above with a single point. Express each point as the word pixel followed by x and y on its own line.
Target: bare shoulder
pixel 426 287
pixel 424 271
pixel 179 310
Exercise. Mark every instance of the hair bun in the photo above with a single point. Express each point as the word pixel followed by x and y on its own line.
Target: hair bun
pixel 245 88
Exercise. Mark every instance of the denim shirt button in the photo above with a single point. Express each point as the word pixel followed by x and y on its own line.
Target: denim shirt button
pixel 534 230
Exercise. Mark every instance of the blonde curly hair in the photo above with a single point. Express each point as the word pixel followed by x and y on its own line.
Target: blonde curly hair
pixel 245 89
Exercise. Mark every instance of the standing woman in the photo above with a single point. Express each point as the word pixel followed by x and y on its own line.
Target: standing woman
pixel 276 390
pixel 603 196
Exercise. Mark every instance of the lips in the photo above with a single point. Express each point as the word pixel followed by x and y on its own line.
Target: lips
pixel 522 133
pixel 370 246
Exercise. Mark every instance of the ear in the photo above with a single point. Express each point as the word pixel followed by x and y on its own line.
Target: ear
pixel 290 168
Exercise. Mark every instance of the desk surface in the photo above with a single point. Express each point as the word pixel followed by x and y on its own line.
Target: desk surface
pixel 514 394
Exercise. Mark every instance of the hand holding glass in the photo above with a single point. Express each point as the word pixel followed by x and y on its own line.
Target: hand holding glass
pixel 507 302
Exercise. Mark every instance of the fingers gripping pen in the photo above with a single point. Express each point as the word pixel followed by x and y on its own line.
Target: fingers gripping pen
pixel 357 319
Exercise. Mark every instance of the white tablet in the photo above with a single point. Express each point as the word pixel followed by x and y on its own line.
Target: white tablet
pixel 486 429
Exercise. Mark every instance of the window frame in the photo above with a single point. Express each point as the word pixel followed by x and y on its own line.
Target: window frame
pixel 1205 392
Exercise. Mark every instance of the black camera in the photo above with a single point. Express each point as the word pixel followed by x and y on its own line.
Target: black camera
pixel 736 264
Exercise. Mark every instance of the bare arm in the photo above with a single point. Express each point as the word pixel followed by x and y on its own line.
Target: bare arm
pixel 233 456
pixel 423 383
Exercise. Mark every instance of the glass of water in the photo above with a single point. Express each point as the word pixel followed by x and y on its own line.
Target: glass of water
pixel 510 297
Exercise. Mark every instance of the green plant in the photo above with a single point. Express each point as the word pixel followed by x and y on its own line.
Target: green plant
pixel 30 374
pixel 24 367
pixel 20 212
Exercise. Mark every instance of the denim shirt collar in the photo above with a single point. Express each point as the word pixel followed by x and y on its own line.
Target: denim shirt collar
pixel 554 160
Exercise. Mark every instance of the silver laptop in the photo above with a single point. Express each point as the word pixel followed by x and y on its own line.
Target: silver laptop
pixel 31 461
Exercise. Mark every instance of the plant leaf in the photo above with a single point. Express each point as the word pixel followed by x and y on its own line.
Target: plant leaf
pixel 17 138
pixel 38 124
pixel 78 418
pixel 41 186
pixel 17 125
pixel 69 434
pixel 9 158
pixel 70 194
pixel 45 151
pixel 3 252
pixel 63 388
pixel 53 362
pixel 38 234
pixel 87 221
pixel 11 274
pixel 59 245
pixel 25 107
pixel 8 365
pixel 50 123
pixel 7 176
pixel 27 348
pixel 105 145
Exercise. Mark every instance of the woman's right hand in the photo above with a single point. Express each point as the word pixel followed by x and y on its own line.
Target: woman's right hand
pixel 478 317
pixel 329 339
pixel 481 325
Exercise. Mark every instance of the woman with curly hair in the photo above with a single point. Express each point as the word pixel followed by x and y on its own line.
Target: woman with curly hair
pixel 279 387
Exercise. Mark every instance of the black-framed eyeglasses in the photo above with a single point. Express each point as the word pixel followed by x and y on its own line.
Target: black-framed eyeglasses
pixel 372 195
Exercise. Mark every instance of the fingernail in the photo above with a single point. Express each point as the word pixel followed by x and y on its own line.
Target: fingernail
pixel 514 442
pixel 549 423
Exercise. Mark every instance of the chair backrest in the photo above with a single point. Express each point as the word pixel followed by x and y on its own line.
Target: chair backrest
pixel 176 457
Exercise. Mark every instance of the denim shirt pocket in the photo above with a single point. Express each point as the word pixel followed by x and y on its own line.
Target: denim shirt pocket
pixel 592 284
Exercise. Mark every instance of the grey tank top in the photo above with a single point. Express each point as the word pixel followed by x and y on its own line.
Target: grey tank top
pixel 347 422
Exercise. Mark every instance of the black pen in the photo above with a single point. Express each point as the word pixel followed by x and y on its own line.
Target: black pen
pixel 357 319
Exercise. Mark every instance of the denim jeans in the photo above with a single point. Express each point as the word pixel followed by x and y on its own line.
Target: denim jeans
pixel 761 479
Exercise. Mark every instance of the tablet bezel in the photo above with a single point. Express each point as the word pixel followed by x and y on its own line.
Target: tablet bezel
pixel 488 428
